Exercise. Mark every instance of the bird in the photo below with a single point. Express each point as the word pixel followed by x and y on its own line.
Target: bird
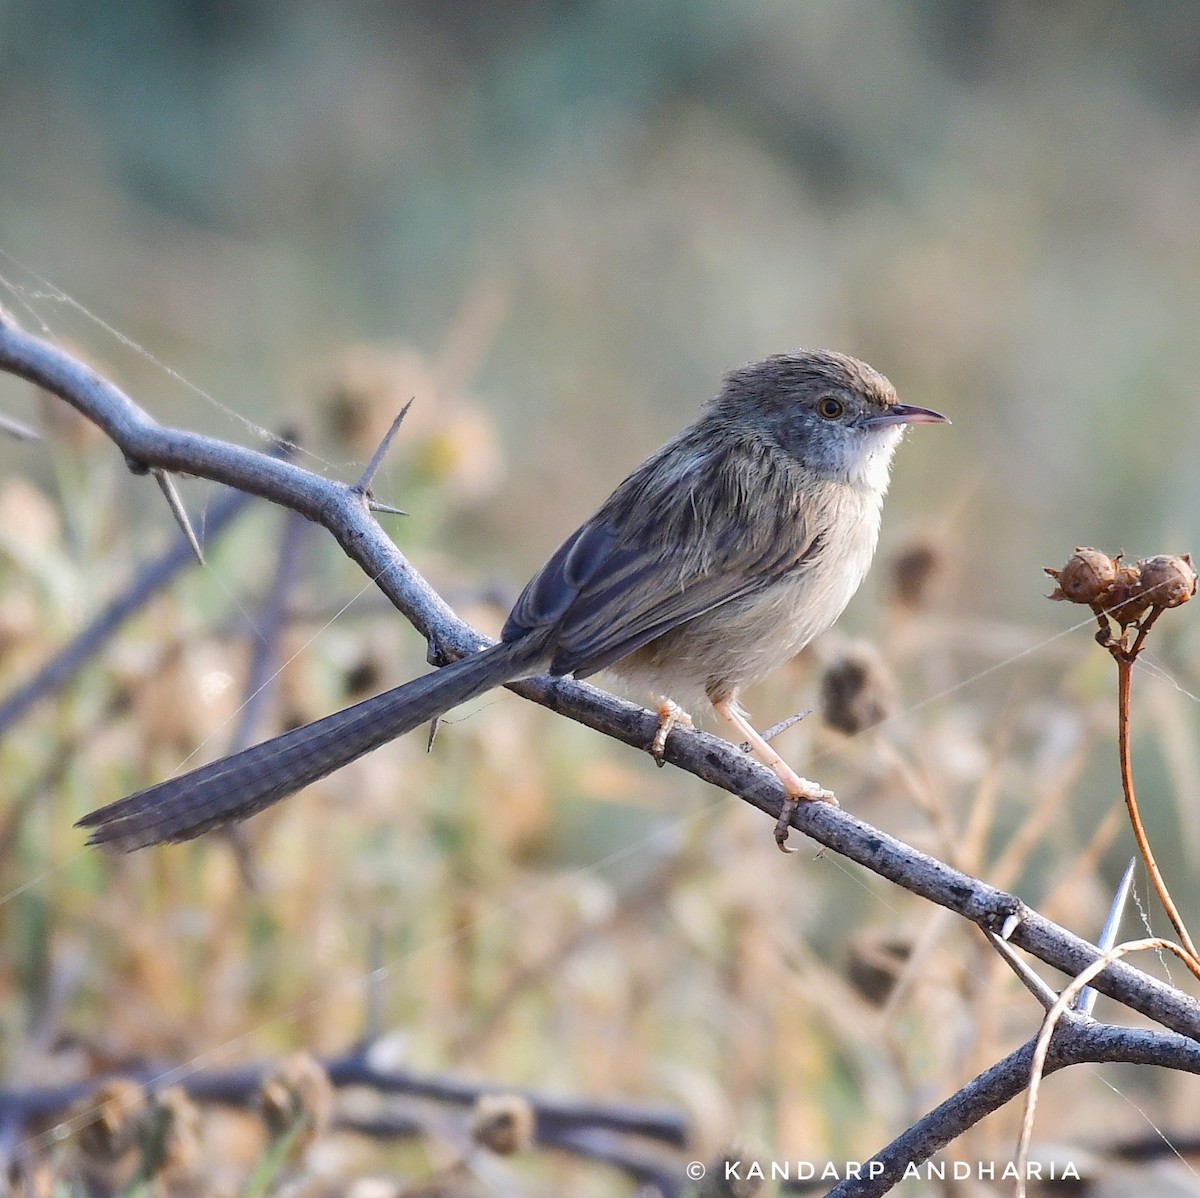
pixel 710 565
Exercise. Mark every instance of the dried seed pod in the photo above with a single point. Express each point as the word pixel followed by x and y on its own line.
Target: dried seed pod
pixel 298 1094
pixel 370 384
pixel 913 573
pixel 857 689
pixel 111 1120
pixel 1127 600
pixel 503 1123
pixel 1087 577
pixel 170 1137
pixel 1168 581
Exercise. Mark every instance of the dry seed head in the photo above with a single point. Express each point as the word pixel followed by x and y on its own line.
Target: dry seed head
pixel 171 1135
pixel 857 690
pixel 913 573
pixel 1127 600
pixel 110 1120
pixel 1168 581
pixel 1088 577
pixel 503 1123
pixel 298 1093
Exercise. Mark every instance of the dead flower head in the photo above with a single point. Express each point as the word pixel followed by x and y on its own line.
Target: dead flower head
pixel 503 1123
pixel 1088 577
pixel 297 1099
pixel 914 573
pixel 110 1120
pixel 1126 592
pixel 1168 580
pixel 857 689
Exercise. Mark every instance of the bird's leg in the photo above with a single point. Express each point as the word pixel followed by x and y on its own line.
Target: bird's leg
pixel 799 790
pixel 670 715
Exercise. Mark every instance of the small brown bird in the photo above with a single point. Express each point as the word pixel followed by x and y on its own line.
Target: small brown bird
pixel 719 558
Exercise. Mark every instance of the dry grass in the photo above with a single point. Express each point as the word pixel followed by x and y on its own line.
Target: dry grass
pixel 527 904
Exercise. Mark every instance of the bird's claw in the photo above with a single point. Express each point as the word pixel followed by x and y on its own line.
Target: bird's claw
pixel 783 825
pixel 811 794
pixel 670 715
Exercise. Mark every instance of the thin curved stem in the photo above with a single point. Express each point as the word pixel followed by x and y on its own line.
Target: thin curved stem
pixel 1124 690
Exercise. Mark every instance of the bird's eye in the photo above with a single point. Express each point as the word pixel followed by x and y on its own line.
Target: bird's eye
pixel 830 408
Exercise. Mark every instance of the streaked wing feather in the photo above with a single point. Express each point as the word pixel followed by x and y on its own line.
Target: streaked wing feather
pixel 633 572
pixel 649 599
pixel 555 586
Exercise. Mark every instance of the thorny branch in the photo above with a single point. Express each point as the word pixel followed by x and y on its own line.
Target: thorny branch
pixel 1076 1040
pixel 346 512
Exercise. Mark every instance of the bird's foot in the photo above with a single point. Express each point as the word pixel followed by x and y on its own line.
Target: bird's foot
pixel 670 715
pixel 799 790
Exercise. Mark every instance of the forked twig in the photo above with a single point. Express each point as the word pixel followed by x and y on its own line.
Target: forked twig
pixel 1061 1010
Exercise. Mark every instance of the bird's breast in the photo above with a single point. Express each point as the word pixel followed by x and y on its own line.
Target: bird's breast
pixel 741 642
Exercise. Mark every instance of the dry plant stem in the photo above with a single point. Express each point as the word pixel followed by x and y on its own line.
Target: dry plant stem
pixel 240 1087
pixel 150 579
pixel 651 895
pixel 1075 1041
pixel 562 1122
pixel 1060 1012
pixel 646 1167
pixel 630 1154
pixel 1124 686
pixel 344 512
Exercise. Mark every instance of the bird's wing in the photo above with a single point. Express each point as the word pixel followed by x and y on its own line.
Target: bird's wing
pixel 653 558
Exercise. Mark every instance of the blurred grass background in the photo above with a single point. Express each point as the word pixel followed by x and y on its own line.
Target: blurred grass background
pixel 555 225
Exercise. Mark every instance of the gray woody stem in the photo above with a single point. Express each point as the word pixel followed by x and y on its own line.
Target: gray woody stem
pixel 344 511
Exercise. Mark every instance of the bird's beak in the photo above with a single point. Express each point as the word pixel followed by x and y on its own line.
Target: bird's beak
pixel 902 413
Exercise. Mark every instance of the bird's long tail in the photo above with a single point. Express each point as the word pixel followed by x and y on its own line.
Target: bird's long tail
pixel 239 786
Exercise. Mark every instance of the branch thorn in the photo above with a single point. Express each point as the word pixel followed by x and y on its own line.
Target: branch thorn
pixel 1030 980
pixel 167 485
pixel 376 506
pixel 1108 936
pixel 363 485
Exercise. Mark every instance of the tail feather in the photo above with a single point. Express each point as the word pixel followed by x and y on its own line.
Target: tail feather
pixel 239 786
